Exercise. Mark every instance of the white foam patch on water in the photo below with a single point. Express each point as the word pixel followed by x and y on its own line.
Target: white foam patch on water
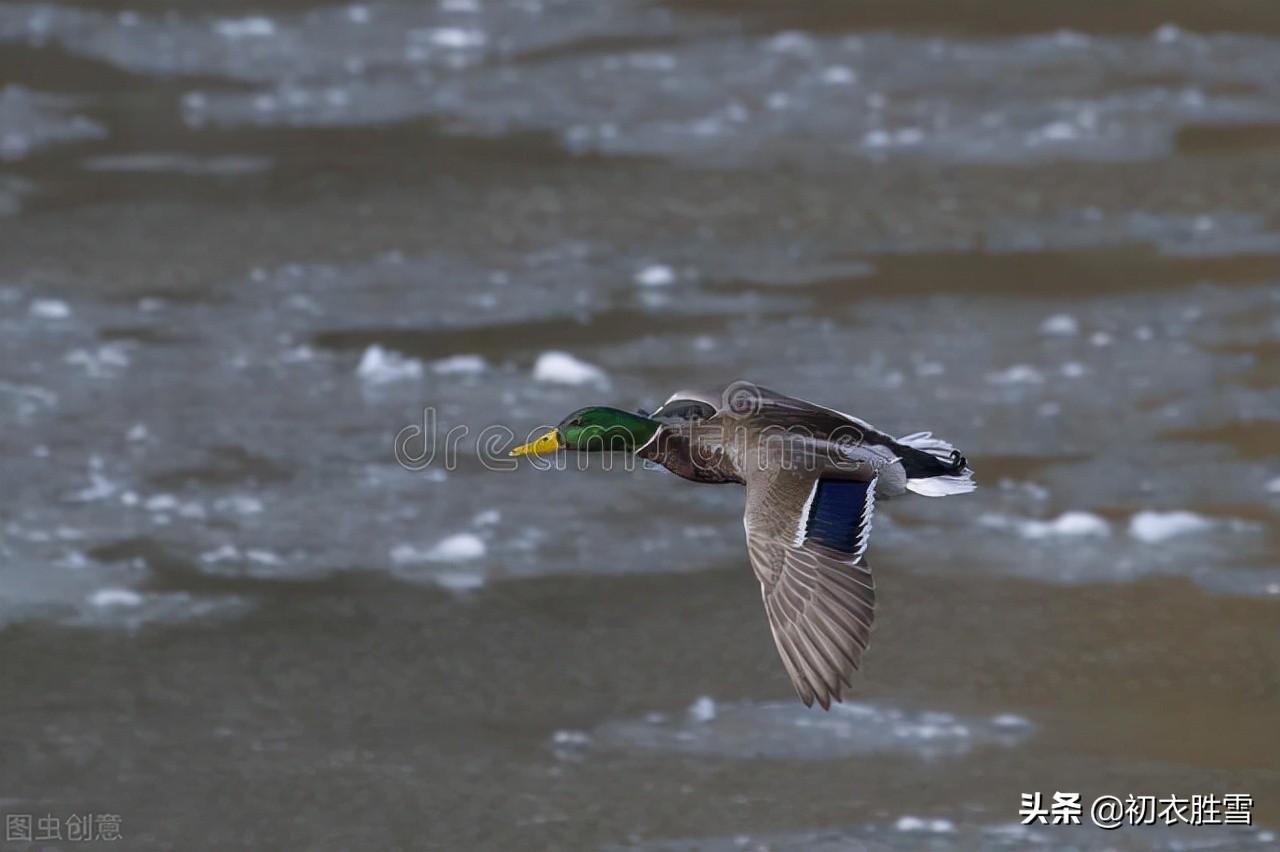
pixel 1273 487
pixel 175 163
pixel 456 38
pixel 460 365
pixel 104 598
pixel 124 608
pixel 50 309
pixel 251 27
pixel 263 557
pixel 570 738
pixel 1068 524
pixel 379 366
pixel 100 487
pixel 1018 374
pixel 790 730
pixel 238 504
pixel 923 824
pixel 458 581
pixel 459 547
pixel 30 120
pixel 1154 527
pixel 1060 325
pixel 105 361
pixel 222 553
pixel 703 710
pixel 655 275
pixel 839 75
pixel 563 368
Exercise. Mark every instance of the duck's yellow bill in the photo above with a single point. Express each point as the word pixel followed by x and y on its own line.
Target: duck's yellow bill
pixel 548 443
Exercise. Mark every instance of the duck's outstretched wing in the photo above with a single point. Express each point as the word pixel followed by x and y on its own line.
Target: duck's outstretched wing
pixel 807 536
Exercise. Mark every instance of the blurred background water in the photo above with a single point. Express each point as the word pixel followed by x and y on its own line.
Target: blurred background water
pixel 244 243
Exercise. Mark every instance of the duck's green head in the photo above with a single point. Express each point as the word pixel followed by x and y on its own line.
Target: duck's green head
pixel 594 429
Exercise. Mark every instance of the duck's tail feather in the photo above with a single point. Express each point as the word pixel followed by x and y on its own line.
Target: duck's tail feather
pixel 943 486
pixel 940 470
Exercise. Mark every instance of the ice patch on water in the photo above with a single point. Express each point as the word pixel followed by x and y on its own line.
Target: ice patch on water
pixel 409 559
pixel 30 120
pixel 1063 325
pixel 1154 527
pixel 487 518
pixel 263 557
pixel 570 738
pixel 100 487
pixel 103 362
pixel 161 503
pixel 902 137
pixel 1074 523
pixel 563 368
pixel 49 309
pixel 460 365
pixel 703 710
pixel 655 275
pixel 839 75
pixel 921 824
pixel 162 162
pixel 456 38
pixel 789 730
pixel 458 581
pixel 459 547
pixel 1010 720
pixel 222 553
pixel 253 27
pixel 380 366
pixel 124 608
pixel 1273 487
pixel 104 598
pixel 238 504
pixel 1018 374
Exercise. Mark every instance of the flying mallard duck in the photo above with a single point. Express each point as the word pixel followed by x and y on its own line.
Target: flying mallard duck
pixel 812 476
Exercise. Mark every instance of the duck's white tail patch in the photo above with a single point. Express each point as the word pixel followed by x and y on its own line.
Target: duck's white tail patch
pixel 925 442
pixel 938 486
pixel 943 486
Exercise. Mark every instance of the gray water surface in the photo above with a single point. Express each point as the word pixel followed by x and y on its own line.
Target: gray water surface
pixel 243 245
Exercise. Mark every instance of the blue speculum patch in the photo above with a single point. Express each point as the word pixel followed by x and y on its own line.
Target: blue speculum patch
pixel 835 517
